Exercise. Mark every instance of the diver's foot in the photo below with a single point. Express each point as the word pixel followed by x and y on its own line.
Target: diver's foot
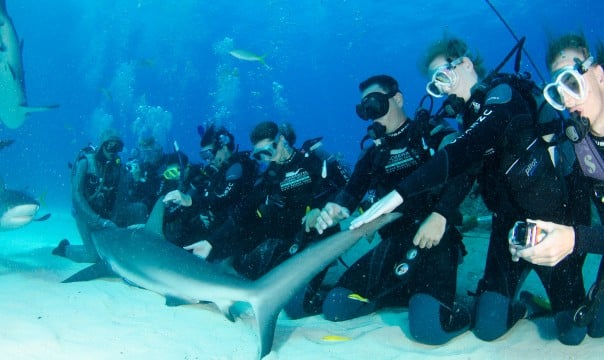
pixel 61 249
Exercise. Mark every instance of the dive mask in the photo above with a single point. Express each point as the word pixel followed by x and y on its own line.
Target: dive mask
pixel 113 146
pixel 172 173
pixel 374 105
pixel 568 81
pixel 265 152
pixel 443 78
pixel 207 155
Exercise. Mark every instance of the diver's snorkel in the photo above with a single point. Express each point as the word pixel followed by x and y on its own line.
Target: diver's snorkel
pixel 181 179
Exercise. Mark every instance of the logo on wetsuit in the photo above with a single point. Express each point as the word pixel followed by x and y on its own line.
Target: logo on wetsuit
pixel 294 179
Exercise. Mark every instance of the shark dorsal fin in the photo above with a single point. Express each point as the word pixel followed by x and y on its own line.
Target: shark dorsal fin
pixel 156 219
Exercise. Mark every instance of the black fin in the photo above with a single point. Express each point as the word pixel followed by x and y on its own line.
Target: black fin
pixel 43 217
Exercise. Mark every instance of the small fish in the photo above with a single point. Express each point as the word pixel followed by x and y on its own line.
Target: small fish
pixel 247 56
pixel 358 298
pixel 335 338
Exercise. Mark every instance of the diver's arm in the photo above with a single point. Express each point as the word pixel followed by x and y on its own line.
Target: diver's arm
pixel 589 239
pixel 80 203
pixel 346 200
pixel 445 212
pixel 449 162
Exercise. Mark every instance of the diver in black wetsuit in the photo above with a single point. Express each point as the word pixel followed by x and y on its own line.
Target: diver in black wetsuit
pixel 265 228
pixel 578 85
pixel 98 196
pixel 501 126
pixel 153 173
pixel 213 189
pixel 416 262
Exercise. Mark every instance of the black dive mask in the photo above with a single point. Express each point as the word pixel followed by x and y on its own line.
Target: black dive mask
pixel 374 105
pixel 576 127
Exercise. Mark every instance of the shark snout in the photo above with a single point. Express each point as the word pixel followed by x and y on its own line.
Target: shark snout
pixel 18 216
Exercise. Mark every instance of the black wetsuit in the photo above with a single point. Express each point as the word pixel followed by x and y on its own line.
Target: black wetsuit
pixel 430 271
pixel 590 239
pixel 98 200
pixel 153 184
pixel 501 120
pixel 214 193
pixel 261 231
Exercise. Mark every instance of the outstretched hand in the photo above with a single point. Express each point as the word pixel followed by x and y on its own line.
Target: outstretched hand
pixel 384 206
pixel 320 220
pixel 431 231
pixel 177 197
pixel 558 243
pixel 201 248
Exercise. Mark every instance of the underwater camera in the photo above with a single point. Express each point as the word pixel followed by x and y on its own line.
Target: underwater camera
pixel 525 234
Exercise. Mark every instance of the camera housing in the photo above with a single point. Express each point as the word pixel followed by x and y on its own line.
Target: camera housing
pixel 525 234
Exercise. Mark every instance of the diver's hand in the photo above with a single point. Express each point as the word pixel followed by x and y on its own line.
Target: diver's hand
pixel 201 248
pixel 558 243
pixel 207 219
pixel 177 197
pixel 384 206
pixel 320 220
pixel 105 223
pixel 431 231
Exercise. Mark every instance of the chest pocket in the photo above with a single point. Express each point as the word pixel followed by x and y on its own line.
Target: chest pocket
pixel 535 183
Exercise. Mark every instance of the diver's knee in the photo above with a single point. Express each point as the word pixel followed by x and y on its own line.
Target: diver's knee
pixel 430 323
pixel 491 316
pixel 568 332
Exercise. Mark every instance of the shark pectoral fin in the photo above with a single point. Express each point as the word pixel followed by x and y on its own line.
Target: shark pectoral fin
pixel 43 217
pixel 96 271
pixel 31 109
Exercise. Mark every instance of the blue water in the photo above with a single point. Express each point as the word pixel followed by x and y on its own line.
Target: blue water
pixel 145 66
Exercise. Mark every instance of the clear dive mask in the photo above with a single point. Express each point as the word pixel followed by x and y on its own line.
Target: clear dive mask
pixel 443 77
pixel 569 81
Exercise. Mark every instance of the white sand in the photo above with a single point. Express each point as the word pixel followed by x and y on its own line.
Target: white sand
pixel 41 318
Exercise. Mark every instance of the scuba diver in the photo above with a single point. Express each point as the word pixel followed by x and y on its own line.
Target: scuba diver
pixel 213 189
pixel 153 173
pixel 416 262
pixel 265 228
pixel 96 196
pixel 578 86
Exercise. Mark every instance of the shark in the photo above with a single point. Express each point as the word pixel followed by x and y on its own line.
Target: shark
pixel 17 209
pixel 13 101
pixel 143 257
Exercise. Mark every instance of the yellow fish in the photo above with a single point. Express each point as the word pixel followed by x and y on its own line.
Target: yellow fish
pixel 335 338
pixel 358 298
pixel 247 56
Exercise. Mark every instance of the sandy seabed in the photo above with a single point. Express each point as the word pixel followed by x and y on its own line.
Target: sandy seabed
pixel 41 318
